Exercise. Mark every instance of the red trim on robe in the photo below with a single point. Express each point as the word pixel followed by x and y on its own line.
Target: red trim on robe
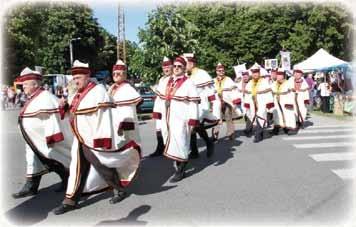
pixel 289 106
pixel 157 115
pixel 237 102
pixel 247 105
pixel 102 143
pixel 306 102
pixel 58 137
pixel 269 105
pixel 124 125
pixel 211 98
pixel 193 122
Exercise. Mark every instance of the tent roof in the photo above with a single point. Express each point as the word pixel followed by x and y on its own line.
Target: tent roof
pixel 321 60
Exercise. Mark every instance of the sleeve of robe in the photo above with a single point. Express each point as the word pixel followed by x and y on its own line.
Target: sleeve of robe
pixel 103 125
pixel 52 128
pixel 193 105
pixel 127 112
pixel 159 102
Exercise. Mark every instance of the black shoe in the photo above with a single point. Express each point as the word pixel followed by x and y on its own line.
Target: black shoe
pixel 292 132
pixel 24 193
pixel 275 131
pixel 258 138
pixel 210 149
pixel 193 155
pixel 178 176
pixel 286 131
pixel 30 188
pixel 63 208
pixel 248 133
pixel 118 196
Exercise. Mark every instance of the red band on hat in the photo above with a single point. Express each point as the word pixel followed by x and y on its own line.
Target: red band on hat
pixel 220 67
pixel 280 73
pixel 167 63
pixel 118 67
pixel 181 60
pixel 31 76
pixel 192 59
pixel 298 71
pixel 245 73
pixel 80 70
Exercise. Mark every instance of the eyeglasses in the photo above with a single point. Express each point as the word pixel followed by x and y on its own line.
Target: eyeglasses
pixel 178 66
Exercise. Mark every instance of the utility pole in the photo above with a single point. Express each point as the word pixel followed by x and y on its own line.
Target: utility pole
pixel 121 45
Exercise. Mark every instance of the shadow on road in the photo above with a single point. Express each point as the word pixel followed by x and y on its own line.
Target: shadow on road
pixel 131 219
pixel 154 173
pixel 224 150
pixel 36 208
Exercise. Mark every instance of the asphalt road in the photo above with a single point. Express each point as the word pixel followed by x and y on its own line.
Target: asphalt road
pixel 284 180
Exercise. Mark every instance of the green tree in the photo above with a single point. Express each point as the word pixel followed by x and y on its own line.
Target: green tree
pixel 39 34
pixel 244 33
pixel 168 33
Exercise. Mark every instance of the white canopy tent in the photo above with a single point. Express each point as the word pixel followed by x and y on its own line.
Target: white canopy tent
pixel 319 61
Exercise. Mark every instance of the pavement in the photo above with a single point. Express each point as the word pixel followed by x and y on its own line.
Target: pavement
pixel 305 179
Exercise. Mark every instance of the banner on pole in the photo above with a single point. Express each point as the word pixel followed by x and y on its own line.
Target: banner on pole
pixel 285 60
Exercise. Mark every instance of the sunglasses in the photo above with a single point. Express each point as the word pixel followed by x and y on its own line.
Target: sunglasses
pixel 178 66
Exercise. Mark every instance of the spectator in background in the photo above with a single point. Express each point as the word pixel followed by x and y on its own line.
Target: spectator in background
pixel 337 89
pixel 11 95
pixel 311 84
pixel 325 90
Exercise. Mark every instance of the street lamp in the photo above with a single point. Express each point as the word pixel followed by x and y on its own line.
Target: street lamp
pixel 71 49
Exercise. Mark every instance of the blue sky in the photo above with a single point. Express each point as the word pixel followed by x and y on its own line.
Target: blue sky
pixel 135 16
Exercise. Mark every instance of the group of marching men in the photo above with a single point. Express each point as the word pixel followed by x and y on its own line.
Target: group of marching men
pixel 92 141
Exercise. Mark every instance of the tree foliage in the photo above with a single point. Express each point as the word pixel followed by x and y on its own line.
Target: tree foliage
pixel 242 33
pixel 39 35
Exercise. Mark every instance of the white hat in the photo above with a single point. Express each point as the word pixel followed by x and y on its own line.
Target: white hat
pixel 119 65
pixel 77 63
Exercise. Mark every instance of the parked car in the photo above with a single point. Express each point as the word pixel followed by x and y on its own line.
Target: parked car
pixel 148 97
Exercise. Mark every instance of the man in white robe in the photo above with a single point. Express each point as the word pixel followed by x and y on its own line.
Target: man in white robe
pixel 179 114
pixel 257 102
pixel 47 139
pixel 283 113
pixel 209 106
pixel 126 100
pixel 229 99
pixel 101 158
pixel 301 91
pixel 167 68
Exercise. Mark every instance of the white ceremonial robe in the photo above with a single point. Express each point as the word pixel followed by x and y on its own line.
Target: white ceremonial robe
pixel 241 93
pixel 44 132
pixel 257 108
pixel 178 113
pixel 158 101
pixel 283 113
pixel 92 124
pixel 228 91
pixel 126 99
pixel 209 106
pixel 301 98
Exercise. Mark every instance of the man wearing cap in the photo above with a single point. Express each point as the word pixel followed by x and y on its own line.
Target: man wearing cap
pixel 229 99
pixel 283 113
pixel 125 98
pixel 179 115
pixel 47 139
pixel 301 90
pixel 258 100
pixel 167 68
pixel 207 116
pixel 101 158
